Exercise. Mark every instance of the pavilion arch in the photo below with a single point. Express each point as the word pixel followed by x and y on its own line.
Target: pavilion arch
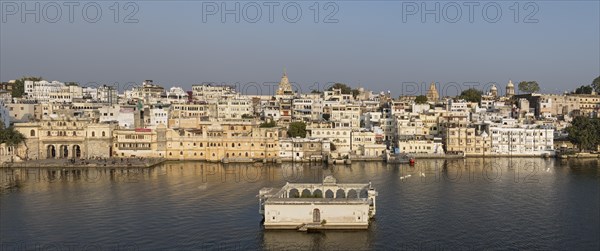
pixel 318 193
pixel 76 151
pixel 64 151
pixel 364 193
pixel 352 194
pixel 306 193
pixel 340 193
pixel 293 193
pixel 51 152
pixel 329 193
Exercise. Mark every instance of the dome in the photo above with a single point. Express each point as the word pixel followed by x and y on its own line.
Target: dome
pixel 494 88
pixel 510 84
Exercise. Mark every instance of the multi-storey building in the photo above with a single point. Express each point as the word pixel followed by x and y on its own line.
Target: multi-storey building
pixel 301 149
pixel 66 137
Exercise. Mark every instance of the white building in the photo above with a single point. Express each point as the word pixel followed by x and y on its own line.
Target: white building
pixel 41 90
pixel 326 205
pixel 522 141
pixel 209 92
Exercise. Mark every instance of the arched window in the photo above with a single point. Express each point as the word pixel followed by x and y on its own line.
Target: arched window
pixel 103 134
pixel 32 133
pixel 49 133
pixel 93 134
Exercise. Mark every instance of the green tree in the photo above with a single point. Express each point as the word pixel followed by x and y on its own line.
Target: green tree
pixel 268 124
pixel 19 86
pixel 326 116
pixel 584 132
pixel 11 137
pixel 596 84
pixel 421 99
pixel 355 93
pixel 471 95
pixel 529 86
pixel 584 89
pixel 297 129
pixel 345 89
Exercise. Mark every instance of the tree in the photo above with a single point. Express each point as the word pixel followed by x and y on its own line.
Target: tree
pixel 297 129
pixel 421 99
pixel 11 137
pixel 326 116
pixel 584 89
pixel 355 93
pixel 529 86
pixel 19 86
pixel 471 95
pixel 345 89
pixel 584 132
pixel 596 84
pixel 268 124
pixel 315 92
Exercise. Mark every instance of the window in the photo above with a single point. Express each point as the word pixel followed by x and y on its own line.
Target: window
pixel 93 134
pixel 32 133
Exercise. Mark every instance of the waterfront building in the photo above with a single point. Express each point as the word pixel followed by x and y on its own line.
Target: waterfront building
pixel 303 149
pixel 469 141
pixel 326 205
pixel 223 142
pixel 522 141
pixel 340 138
pixel 140 142
pixel 413 145
pixel 66 137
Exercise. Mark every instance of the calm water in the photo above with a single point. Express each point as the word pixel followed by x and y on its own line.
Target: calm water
pixel 468 204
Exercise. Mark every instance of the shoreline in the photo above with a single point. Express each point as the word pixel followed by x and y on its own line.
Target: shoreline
pixel 152 162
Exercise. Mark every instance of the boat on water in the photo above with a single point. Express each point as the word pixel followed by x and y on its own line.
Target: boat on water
pixel 318 206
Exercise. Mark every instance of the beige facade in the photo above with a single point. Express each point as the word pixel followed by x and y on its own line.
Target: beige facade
pixel 219 142
pixel 469 141
pixel 66 137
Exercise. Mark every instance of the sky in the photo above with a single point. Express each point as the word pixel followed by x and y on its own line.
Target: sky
pixel 379 45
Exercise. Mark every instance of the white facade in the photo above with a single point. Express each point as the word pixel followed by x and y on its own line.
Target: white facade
pixel 522 141
pixel 326 205
pixel 41 90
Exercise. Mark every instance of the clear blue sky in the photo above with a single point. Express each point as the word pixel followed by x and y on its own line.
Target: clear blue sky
pixel 369 46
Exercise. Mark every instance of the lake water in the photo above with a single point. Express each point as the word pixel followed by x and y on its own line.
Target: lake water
pixel 471 204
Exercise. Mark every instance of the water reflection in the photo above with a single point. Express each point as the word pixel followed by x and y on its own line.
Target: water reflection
pixel 329 240
pixel 483 203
